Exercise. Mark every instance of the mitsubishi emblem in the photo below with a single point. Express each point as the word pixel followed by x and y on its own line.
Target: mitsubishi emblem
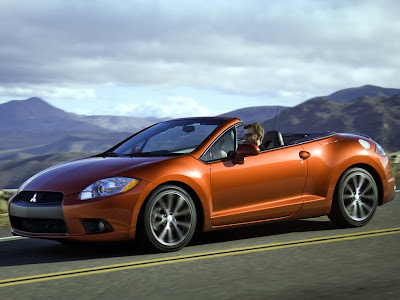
pixel 33 199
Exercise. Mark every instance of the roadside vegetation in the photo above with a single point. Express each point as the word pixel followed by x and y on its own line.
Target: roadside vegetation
pixel 395 161
pixel 4 196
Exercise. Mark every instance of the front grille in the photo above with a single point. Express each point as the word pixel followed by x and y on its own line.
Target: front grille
pixel 40 197
pixel 34 225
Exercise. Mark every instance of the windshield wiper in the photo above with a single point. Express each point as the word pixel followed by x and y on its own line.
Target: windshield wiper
pixel 109 154
pixel 141 154
pixel 155 153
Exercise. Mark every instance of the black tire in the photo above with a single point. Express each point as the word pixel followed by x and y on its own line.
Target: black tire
pixel 355 199
pixel 168 220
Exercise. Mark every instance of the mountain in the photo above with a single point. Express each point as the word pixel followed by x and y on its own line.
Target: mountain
pixel 351 94
pixel 34 114
pixel 378 117
pixel 254 114
pixel 33 127
pixel 37 114
pixel 262 113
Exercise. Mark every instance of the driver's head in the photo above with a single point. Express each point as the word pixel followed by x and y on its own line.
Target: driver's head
pixel 253 133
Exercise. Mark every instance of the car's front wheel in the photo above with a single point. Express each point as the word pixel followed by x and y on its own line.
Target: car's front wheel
pixel 168 220
pixel 355 200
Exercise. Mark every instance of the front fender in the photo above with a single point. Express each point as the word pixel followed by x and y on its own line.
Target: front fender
pixel 185 170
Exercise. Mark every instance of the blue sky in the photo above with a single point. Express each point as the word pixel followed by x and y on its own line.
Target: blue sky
pixel 190 58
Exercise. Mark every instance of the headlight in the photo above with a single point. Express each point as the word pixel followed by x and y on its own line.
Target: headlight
pixel 108 187
pixel 379 149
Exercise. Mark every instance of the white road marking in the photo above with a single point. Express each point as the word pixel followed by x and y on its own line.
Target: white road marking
pixel 11 238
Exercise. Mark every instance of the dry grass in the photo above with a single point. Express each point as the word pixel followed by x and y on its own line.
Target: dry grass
pixel 4 196
pixel 395 161
pixel 4 221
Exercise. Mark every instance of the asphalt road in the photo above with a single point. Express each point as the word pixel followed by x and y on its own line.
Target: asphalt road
pixel 306 259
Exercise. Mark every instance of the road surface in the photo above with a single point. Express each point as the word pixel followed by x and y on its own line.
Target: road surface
pixel 305 259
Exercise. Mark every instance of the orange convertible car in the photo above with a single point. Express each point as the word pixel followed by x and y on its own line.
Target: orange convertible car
pixel 178 176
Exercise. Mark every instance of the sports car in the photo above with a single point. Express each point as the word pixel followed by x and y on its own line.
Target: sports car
pixel 179 176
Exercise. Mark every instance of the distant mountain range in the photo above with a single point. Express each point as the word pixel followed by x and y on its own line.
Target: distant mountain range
pixel 351 94
pixel 36 114
pixel 378 117
pixel 371 110
pixel 36 135
pixel 33 127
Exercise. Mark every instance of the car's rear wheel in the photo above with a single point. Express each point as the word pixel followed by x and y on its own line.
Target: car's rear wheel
pixel 355 200
pixel 169 219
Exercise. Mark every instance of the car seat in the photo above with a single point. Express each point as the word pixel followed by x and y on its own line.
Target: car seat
pixel 272 139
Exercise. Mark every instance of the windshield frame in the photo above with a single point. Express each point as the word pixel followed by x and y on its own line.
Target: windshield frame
pixel 186 125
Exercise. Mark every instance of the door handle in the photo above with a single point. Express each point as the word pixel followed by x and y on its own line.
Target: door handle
pixel 304 154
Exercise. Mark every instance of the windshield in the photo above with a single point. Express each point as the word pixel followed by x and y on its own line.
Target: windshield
pixel 170 138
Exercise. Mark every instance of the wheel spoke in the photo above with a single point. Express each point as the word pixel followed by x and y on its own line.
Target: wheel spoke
pixel 179 232
pixel 354 182
pixel 156 225
pixel 162 235
pixel 184 212
pixel 347 196
pixel 349 206
pixel 157 214
pixel 178 205
pixel 348 188
pixel 184 224
pixel 360 183
pixel 170 238
pixel 365 191
pixel 369 197
pixel 163 205
pixel 354 211
pixel 170 198
pixel 364 211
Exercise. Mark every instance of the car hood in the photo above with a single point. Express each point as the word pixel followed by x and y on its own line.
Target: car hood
pixel 72 177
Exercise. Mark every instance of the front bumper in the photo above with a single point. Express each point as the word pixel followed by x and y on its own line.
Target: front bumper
pixel 103 219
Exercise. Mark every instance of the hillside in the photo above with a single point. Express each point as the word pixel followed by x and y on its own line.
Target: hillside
pixel 34 114
pixel 33 127
pixel 371 91
pixel 377 117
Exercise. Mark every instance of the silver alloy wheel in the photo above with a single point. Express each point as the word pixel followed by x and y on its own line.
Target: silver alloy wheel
pixel 172 216
pixel 359 196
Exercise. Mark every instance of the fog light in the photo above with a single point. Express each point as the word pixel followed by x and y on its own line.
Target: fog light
pixel 102 226
pixel 96 226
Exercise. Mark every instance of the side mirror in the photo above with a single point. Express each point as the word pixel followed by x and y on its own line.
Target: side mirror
pixel 245 150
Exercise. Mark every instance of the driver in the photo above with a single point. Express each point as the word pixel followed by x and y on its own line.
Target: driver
pixel 253 134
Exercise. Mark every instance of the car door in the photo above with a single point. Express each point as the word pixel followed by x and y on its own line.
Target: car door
pixel 267 186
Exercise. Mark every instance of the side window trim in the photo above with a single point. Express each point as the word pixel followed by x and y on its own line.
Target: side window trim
pixel 206 157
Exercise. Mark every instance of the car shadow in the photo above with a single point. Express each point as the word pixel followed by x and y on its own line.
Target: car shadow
pixel 262 230
pixel 37 251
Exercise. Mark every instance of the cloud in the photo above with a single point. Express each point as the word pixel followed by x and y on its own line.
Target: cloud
pixel 241 47
pixel 172 106
pixel 48 92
